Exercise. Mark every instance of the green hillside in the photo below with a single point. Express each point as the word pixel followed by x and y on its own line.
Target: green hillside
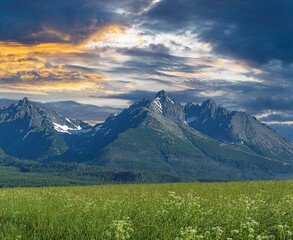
pixel 24 173
pixel 158 143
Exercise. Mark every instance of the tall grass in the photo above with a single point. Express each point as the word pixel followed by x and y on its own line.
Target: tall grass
pixel 236 210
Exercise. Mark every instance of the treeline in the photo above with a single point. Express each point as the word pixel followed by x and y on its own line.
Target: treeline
pixel 24 173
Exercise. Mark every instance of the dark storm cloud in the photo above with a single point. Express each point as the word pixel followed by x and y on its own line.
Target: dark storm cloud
pixel 152 51
pixel 152 60
pixel 261 103
pixel 257 31
pixel 258 97
pixel 39 21
pixel 155 58
pixel 278 74
pixel 33 21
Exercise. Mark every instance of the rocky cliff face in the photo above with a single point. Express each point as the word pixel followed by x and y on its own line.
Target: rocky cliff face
pixel 144 136
pixel 29 131
pixel 164 104
pixel 238 127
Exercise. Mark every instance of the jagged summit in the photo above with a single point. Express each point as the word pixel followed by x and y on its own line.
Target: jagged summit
pixel 22 108
pixel 27 132
pixel 164 104
pixel 25 99
pixel 30 131
pixel 162 94
pixel 217 122
pixel 209 102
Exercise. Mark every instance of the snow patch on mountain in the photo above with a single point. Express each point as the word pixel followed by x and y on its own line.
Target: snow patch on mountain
pixel 68 130
pixel 158 104
pixel 169 99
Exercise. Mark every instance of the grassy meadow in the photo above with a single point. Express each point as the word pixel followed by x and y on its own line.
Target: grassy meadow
pixel 234 210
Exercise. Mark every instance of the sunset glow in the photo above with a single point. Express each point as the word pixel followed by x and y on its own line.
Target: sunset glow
pixel 90 51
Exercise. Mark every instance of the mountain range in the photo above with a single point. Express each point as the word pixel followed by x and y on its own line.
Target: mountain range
pixel 200 142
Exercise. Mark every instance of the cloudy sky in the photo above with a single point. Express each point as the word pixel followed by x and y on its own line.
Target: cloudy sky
pixel 113 52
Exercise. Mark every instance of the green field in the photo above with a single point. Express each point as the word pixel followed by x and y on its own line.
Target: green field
pixel 235 210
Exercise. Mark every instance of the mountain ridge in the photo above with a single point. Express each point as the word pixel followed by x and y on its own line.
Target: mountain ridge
pixel 201 141
pixel 238 127
pixel 31 132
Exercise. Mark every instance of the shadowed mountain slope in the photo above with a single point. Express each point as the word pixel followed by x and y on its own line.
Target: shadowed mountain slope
pixel 31 132
pixel 238 128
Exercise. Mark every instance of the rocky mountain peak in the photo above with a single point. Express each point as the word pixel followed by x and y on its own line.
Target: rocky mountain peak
pixel 23 109
pixel 28 132
pixel 24 101
pixel 209 104
pixel 208 110
pixel 213 109
pixel 162 94
pixel 164 104
pixel 40 117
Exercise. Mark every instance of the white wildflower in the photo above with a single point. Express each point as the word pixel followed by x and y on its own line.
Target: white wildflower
pixel 235 231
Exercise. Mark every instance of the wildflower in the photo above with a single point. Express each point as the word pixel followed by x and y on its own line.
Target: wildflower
pixel 235 231
pixel 120 229
pixel 189 233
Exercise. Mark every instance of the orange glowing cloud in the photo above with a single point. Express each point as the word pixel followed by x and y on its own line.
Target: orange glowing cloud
pixel 43 66
pixel 106 33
